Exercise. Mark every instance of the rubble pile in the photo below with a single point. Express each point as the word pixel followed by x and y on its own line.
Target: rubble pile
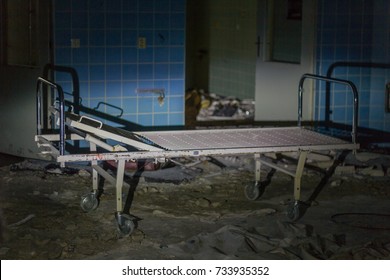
pixel 206 106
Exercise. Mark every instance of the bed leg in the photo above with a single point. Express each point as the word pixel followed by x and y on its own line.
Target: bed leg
pixel 119 184
pixel 298 175
pixel 257 168
pixel 90 201
pixel 298 208
pixel 255 189
pixel 125 224
pixel 95 175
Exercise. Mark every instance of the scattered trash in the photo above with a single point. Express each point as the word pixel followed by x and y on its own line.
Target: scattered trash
pixel 204 106
pixel 175 175
pixel 221 107
pixel 29 165
pixel 336 183
pixel 54 168
pixel 40 165
pixel 291 241
pixel 21 222
pixel 372 171
pixel 84 173
pixel 203 202
pixel 344 170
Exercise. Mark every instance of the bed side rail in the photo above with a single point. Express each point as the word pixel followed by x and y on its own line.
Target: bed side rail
pixel 39 100
pixel 337 81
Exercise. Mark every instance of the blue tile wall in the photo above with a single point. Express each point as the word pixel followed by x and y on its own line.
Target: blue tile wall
pixel 110 65
pixel 355 31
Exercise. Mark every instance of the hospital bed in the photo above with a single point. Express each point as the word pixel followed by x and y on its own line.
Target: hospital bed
pixel 108 143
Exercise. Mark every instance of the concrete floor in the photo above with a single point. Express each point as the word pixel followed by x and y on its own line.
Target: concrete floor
pixel 205 216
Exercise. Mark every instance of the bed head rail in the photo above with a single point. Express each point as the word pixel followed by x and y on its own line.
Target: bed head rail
pixel 337 81
pixel 39 100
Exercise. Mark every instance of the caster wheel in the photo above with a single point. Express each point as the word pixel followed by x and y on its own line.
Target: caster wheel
pixel 296 210
pixel 89 202
pixel 125 224
pixel 254 190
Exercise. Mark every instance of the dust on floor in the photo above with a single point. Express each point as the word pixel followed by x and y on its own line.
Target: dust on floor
pixel 204 217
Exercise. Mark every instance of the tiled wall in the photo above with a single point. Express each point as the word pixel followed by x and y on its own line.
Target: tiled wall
pixel 355 31
pixel 112 65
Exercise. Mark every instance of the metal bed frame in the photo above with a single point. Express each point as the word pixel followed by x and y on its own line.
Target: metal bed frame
pixel 165 145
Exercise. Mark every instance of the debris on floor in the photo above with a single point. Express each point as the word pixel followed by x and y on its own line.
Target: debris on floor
pixel 198 210
pixel 204 106
pixel 291 241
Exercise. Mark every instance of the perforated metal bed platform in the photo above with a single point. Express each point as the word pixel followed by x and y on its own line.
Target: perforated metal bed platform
pixel 241 138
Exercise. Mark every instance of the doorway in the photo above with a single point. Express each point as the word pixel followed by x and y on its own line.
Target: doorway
pixel 285 51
